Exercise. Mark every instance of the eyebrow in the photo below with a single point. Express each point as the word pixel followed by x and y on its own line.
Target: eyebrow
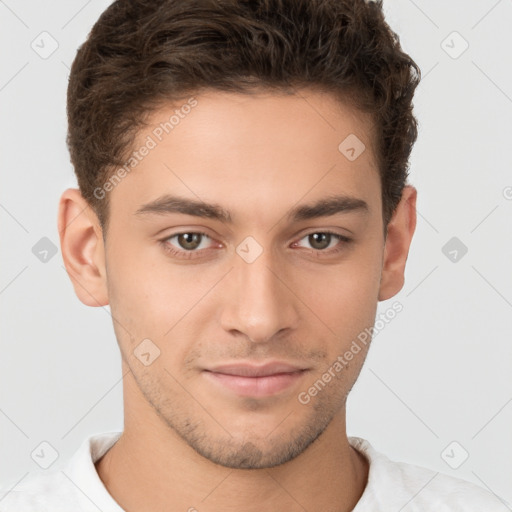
pixel 325 207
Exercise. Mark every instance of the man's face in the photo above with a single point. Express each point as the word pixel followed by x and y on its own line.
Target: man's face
pixel 262 288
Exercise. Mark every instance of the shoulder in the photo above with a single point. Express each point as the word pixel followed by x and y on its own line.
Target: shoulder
pixel 38 491
pixel 413 488
pixel 76 486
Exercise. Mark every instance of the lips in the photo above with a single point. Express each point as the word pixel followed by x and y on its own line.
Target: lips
pixel 245 379
pixel 250 370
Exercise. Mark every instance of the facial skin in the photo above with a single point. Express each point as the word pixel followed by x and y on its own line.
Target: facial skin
pixel 298 302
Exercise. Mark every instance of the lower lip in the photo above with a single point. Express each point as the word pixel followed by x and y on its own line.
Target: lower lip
pixel 256 386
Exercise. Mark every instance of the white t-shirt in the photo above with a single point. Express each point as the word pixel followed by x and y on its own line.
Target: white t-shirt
pixel 391 487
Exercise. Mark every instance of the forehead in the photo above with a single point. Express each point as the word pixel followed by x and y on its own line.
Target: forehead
pixel 249 152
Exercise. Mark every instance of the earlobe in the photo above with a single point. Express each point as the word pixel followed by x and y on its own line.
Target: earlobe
pixel 399 236
pixel 82 248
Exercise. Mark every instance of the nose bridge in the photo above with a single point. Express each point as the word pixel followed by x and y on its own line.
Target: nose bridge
pixel 259 304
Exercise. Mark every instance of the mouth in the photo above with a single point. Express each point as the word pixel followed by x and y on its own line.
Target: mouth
pixel 255 380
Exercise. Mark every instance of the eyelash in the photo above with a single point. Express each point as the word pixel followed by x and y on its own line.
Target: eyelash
pixel 183 254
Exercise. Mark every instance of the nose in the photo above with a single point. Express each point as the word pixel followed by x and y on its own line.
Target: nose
pixel 259 301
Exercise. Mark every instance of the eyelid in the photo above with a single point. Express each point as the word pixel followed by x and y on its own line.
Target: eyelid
pixel 190 232
pixel 323 230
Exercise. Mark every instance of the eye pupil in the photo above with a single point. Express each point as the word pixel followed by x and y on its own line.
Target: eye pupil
pixel 314 239
pixel 188 243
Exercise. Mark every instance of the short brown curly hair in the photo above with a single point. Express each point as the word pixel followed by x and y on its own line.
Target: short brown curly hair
pixel 142 53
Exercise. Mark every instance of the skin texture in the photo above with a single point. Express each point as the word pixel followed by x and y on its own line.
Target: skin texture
pixel 189 442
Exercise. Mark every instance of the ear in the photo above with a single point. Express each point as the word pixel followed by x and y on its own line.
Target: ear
pixel 81 242
pixel 398 240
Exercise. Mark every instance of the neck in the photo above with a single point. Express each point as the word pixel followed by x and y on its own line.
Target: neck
pixel 150 468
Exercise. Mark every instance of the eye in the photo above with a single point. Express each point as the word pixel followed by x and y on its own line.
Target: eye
pixel 321 240
pixel 189 241
pixel 190 244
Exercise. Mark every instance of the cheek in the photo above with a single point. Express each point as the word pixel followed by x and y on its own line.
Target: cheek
pixel 137 299
pixel 139 282
pixel 152 298
pixel 346 293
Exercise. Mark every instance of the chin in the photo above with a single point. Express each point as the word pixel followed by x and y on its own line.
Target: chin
pixel 250 452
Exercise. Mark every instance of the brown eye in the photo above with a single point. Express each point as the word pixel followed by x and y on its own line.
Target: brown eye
pixel 188 245
pixel 319 241
pixel 189 241
pixel 324 243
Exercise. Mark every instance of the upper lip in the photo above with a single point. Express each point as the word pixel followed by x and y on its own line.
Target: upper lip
pixel 253 370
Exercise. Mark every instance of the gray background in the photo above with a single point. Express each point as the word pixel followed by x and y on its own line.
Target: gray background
pixel 438 373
